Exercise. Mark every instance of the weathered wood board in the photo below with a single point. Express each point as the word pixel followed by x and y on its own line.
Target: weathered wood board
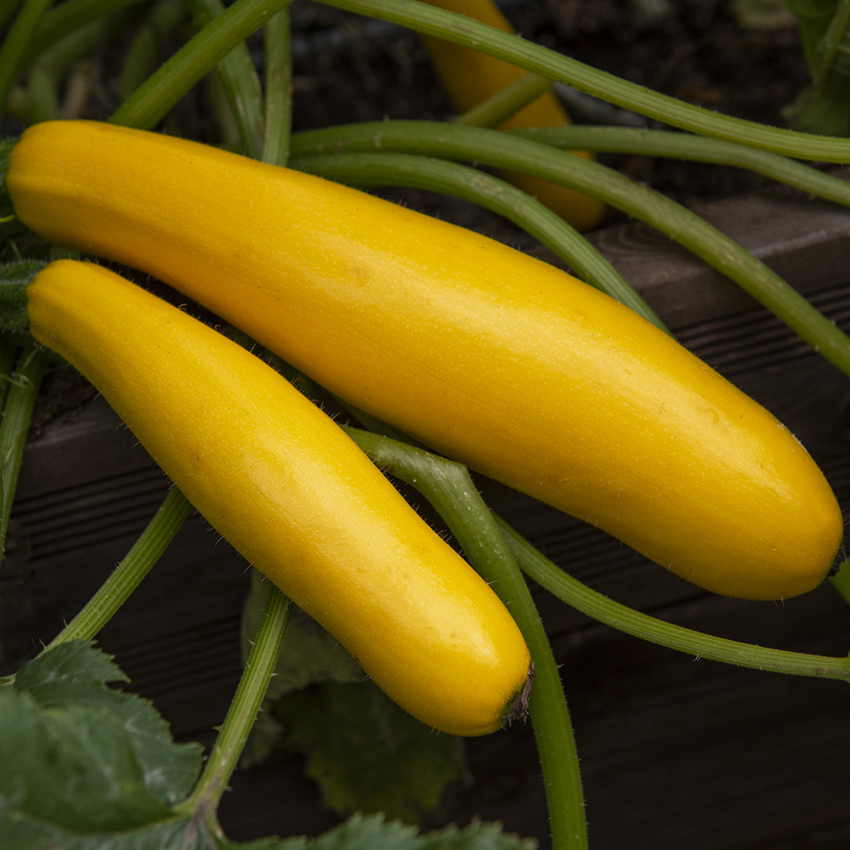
pixel 675 752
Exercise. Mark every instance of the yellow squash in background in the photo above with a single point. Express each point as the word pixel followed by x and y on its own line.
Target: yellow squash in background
pixel 292 493
pixel 471 77
pixel 494 358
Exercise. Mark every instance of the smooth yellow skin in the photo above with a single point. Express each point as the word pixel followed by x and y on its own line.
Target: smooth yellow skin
pixel 293 494
pixel 494 358
pixel 471 77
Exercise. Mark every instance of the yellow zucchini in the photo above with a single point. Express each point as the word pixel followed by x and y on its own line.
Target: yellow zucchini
pixel 471 77
pixel 494 358
pixel 279 480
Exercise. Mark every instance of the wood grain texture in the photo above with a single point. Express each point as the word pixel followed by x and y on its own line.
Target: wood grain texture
pixel 675 752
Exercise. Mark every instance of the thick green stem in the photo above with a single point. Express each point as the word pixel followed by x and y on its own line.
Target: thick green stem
pixel 243 709
pixel 278 103
pixel 506 103
pixel 128 575
pixel 67 17
pixel 555 66
pixel 385 169
pixel 16 42
pixel 502 150
pixel 143 55
pixel 239 78
pixel 674 145
pixel 153 99
pixel 17 416
pixel 448 486
pixel 601 608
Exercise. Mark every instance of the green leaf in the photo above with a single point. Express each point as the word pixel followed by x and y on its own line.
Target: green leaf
pixel 367 754
pixel 372 832
pixel 78 757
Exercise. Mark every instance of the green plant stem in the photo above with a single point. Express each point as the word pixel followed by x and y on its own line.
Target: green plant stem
pixel 7 9
pixel 387 169
pixel 832 44
pixel 243 709
pixel 16 42
pixel 503 150
pixel 278 102
pixel 601 608
pixel 555 66
pixel 46 71
pixel 239 78
pixel 25 383
pixel 163 89
pixel 674 145
pixel 8 349
pixel 143 54
pixel 506 103
pixel 841 581
pixel 449 488
pixel 128 575
pixel 67 17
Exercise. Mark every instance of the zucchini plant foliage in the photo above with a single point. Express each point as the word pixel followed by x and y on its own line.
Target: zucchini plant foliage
pixel 85 766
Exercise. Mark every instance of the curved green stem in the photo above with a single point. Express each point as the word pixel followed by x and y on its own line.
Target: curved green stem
pixel 143 54
pixel 239 78
pixel 506 103
pixel 128 575
pixel 387 169
pixel 16 42
pixel 449 488
pixel 675 145
pixel 25 383
pixel 278 102
pixel 67 17
pixel 555 66
pixel 493 147
pixel 7 9
pixel 243 709
pixel 155 97
pixel 699 644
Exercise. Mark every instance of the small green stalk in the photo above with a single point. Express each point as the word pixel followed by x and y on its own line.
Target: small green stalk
pixel 128 575
pixel 278 102
pixel 17 416
pixel 143 55
pixel 506 103
pixel 163 89
pixel 673 145
pixel 16 42
pixel 841 581
pixel 243 710
pixel 239 78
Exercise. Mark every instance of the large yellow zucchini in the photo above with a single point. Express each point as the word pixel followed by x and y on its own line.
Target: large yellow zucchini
pixel 496 359
pixel 279 480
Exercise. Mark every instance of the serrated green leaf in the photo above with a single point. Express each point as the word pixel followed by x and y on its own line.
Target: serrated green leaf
pixel 75 673
pixel 77 757
pixel 373 832
pixel 477 836
pixel 367 754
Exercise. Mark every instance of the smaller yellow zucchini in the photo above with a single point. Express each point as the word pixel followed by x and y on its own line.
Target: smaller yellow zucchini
pixel 471 77
pixel 294 495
